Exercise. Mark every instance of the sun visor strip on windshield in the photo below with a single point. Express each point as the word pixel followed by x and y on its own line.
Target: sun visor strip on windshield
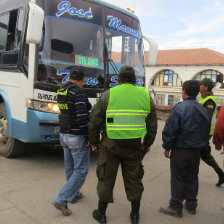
pixel 77 20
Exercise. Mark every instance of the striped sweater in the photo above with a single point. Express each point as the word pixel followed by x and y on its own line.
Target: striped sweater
pixel 79 107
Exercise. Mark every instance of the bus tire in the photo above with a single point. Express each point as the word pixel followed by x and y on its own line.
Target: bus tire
pixel 9 147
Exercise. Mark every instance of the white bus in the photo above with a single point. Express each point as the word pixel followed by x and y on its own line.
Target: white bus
pixel 41 42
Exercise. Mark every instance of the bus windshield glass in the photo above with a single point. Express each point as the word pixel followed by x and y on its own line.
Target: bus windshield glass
pixel 72 40
pixel 89 36
pixel 124 45
pixel 124 50
pixel 70 45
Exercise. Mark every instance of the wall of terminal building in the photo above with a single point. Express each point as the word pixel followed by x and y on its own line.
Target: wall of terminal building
pixel 165 82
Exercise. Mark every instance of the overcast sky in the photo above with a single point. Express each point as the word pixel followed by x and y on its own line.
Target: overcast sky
pixel 180 24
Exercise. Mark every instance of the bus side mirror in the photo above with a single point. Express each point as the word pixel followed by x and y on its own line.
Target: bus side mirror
pixel 35 24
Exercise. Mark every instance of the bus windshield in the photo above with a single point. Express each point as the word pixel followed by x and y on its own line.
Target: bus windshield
pixel 124 50
pixel 123 45
pixel 70 45
pixel 94 38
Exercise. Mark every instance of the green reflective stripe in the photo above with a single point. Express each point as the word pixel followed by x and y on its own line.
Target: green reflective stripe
pixel 126 119
pixel 202 101
pixel 214 118
pixel 127 112
pixel 62 92
pixel 126 127
pixel 131 125
pixel 212 129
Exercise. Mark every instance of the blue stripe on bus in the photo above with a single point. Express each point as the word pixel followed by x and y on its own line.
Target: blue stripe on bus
pixel 19 122
pixel 31 131
pixel 8 111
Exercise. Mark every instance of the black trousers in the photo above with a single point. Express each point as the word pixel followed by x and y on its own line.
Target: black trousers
pixel 184 165
pixel 209 159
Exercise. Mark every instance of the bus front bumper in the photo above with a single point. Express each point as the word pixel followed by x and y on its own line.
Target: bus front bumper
pixel 40 127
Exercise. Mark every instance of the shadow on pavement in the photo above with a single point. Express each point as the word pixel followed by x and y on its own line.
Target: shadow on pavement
pixel 49 153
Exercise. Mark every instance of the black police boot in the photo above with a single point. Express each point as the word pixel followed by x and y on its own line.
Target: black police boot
pixel 221 179
pixel 100 213
pixel 220 173
pixel 134 215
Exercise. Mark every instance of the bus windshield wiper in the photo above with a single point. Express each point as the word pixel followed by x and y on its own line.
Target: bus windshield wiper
pixel 110 62
pixel 114 66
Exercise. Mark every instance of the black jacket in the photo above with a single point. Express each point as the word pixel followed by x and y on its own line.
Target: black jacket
pixel 187 127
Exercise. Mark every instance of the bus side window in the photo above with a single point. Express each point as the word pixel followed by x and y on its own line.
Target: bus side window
pixel 4 20
pixel 11 33
pixel 19 28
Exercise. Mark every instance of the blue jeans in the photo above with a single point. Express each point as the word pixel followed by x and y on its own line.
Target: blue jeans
pixel 76 160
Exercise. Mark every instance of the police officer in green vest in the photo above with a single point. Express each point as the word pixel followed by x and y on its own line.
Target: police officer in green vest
pixel 208 101
pixel 127 116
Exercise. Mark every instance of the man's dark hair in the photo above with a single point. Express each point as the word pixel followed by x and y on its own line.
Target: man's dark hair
pixel 207 83
pixel 127 75
pixel 191 87
pixel 77 75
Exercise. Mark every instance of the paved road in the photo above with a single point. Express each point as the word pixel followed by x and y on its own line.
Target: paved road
pixel 28 187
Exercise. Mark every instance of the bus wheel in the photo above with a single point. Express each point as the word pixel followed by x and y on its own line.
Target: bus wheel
pixel 9 147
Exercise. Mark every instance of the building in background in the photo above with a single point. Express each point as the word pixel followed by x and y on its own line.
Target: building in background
pixel 173 67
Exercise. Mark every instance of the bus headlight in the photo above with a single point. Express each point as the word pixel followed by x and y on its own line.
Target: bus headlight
pixel 42 106
pixel 53 107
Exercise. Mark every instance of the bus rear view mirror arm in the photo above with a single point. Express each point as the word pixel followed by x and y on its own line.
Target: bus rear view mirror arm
pixel 35 24
pixel 153 50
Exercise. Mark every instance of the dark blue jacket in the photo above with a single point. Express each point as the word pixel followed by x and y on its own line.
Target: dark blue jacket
pixel 187 127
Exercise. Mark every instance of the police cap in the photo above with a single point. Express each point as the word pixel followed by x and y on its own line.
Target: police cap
pixel 207 82
pixel 77 75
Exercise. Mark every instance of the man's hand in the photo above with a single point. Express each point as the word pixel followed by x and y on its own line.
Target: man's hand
pixel 167 153
pixel 87 144
pixel 218 147
pixel 147 149
pixel 95 147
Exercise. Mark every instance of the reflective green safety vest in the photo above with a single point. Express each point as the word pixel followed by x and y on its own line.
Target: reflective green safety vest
pixel 202 101
pixel 128 107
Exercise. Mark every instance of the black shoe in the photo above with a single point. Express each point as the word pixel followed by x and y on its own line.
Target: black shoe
pixel 101 218
pixel 190 211
pixel 169 211
pixel 134 218
pixel 221 180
